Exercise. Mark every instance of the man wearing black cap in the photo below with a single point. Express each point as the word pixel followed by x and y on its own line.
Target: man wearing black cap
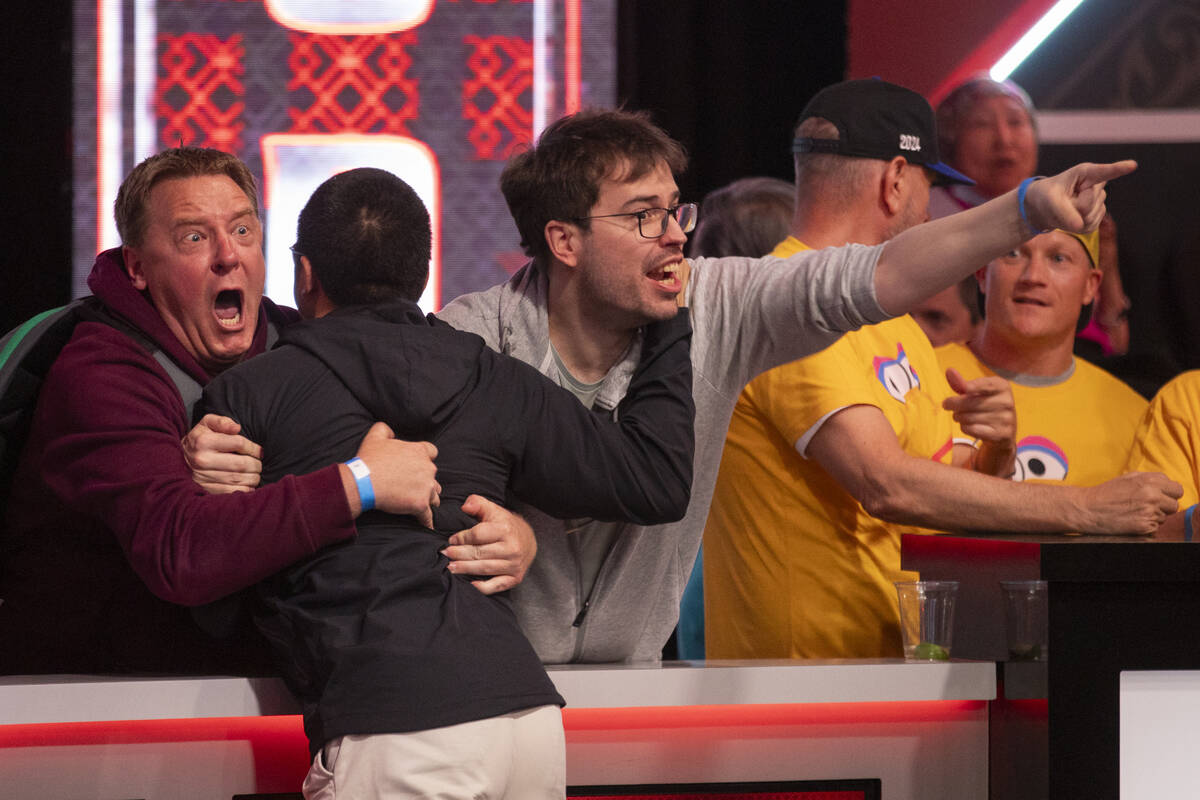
pixel 599 213
pixel 829 459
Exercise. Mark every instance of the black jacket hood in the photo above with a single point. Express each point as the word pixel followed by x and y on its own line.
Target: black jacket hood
pixel 381 353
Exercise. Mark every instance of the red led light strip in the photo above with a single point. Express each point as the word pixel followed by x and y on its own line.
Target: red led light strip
pixel 288 729
pixel 571 55
pixel 727 716
pixel 278 743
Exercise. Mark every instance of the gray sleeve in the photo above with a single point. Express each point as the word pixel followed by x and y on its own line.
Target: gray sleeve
pixel 752 314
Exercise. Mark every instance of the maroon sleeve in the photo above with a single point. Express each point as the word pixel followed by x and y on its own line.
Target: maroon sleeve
pixel 114 454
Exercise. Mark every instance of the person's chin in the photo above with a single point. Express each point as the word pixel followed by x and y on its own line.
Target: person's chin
pixel 232 347
pixel 662 311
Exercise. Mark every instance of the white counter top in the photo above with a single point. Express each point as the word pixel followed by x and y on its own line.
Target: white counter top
pixel 83 698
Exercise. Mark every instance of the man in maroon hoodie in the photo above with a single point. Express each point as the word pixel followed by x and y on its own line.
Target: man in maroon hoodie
pixel 107 537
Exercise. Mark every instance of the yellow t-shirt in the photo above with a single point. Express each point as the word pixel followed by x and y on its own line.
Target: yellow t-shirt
pixel 1077 431
pixel 1168 440
pixel 794 567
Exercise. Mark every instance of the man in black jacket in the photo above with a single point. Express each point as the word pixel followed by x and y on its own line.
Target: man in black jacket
pixel 412 682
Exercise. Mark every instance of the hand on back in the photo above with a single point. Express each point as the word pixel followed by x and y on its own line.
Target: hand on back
pixel 501 546
pixel 222 461
pixel 403 474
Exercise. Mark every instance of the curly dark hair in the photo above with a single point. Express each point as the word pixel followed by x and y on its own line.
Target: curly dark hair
pixel 559 178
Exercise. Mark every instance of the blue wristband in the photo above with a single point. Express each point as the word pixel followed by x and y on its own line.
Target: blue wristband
pixel 362 479
pixel 1187 523
pixel 1021 203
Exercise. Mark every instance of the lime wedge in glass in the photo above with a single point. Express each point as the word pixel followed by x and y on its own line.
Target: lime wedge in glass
pixel 928 651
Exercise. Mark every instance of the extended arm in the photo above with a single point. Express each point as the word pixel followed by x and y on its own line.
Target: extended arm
pixel 927 258
pixel 858 448
pixel 122 464
pixel 571 462
pixel 402 473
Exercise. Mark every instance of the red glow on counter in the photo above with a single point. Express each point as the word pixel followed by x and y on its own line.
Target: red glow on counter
pixel 591 719
pixel 278 743
pixel 942 546
pixel 286 734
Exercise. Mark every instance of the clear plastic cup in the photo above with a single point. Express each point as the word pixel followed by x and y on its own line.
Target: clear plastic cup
pixel 927 618
pixel 1025 620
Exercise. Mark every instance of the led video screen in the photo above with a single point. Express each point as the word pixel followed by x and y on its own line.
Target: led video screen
pixel 439 92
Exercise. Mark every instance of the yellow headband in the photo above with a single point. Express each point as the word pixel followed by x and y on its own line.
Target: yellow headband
pixel 1090 242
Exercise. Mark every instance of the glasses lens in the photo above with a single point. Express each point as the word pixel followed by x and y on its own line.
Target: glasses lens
pixel 652 223
pixel 686 215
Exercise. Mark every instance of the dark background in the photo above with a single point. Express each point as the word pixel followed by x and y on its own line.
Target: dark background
pixel 728 80
pixel 36 130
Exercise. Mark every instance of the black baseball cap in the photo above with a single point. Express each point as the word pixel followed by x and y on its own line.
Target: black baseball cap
pixel 877 119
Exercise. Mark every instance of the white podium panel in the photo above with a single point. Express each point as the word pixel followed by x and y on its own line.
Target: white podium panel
pixel 921 729
pixel 1160 715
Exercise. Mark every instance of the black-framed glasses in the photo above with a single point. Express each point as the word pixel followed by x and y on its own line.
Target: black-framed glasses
pixel 652 222
pixel 296 255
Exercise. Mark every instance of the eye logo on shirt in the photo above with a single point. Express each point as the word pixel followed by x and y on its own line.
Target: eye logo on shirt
pixel 1039 458
pixel 896 374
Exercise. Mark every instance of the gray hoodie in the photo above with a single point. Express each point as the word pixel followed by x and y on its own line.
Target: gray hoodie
pixel 748 315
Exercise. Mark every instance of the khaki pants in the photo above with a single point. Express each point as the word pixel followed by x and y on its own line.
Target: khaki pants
pixel 520 756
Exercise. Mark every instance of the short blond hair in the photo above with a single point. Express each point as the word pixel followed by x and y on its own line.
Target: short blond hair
pixel 130 208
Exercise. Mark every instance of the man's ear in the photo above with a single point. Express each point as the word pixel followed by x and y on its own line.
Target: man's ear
pixel 311 300
pixel 564 240
pixel 1092 287
pixel 305 279
pixel 891 185
pixel 133 266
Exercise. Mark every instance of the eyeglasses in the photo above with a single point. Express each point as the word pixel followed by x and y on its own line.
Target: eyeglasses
pixel 655 220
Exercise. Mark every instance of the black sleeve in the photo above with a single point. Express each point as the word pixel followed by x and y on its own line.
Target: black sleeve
pixel 571 462
pixel 225 395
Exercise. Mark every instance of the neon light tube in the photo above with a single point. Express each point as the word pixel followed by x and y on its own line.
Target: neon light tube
pixel 1032 39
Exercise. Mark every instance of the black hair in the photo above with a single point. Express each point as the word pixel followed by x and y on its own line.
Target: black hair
pixel 367 235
